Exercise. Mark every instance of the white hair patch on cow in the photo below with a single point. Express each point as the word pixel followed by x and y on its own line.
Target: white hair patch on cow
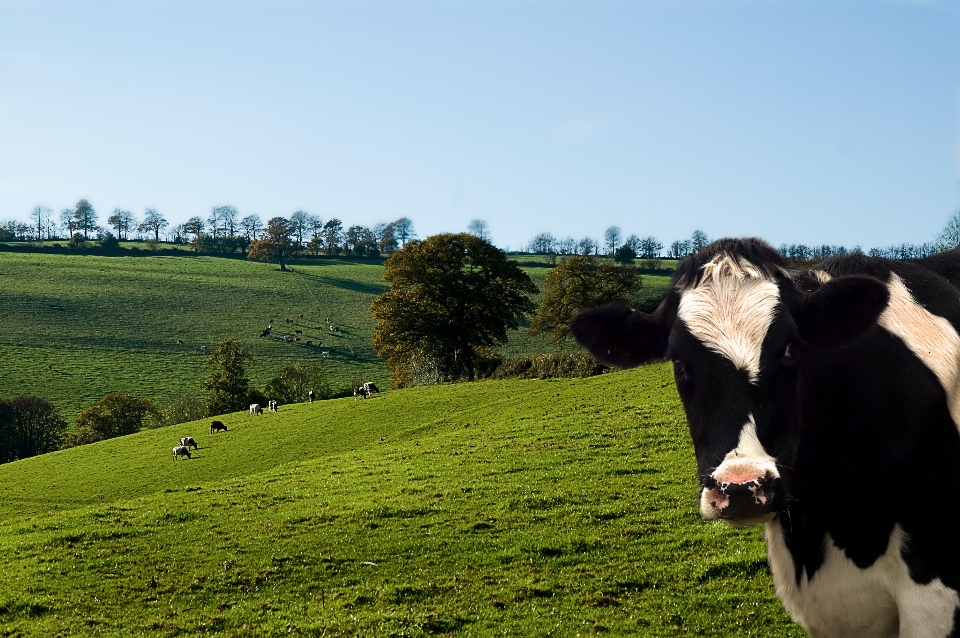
pixel 932 338
pixel 730 311
pixel 842 599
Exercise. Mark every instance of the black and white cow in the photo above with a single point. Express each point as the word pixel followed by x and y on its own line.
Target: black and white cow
pixel 188 442
pixel 824 404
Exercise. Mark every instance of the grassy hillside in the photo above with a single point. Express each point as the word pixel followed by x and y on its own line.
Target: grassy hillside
pixel 523 508
pixel 79 327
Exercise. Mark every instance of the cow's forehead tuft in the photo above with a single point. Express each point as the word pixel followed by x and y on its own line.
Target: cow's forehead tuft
pixel 730 308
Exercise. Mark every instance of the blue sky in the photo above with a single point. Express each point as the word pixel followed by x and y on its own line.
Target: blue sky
pixel 814 122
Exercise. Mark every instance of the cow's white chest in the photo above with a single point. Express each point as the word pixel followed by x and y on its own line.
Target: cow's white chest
pixel 843 600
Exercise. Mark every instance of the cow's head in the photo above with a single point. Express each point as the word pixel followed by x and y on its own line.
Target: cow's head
pixel 738 327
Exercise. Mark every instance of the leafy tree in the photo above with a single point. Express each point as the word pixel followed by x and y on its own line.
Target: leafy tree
pixel 387 241
pixel 450 295
pixel 275 245
pixel 580 283
pixel 649 248
pixel 153 222
pixel 612 238
pixel 625 254
pixel 193 226
pixel 294 382
pixel 333 235
pixel 479 228
pixel 403 230
pixel 587 246
pixel 698 240
pixel 227 387
pixel 85 218
pixel 121 221
pixel 112 416
pixel 109 243
pixel 182 407
pixel 29 426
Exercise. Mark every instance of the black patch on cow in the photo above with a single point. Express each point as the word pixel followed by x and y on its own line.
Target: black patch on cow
pixel 841 311
pixel 623 337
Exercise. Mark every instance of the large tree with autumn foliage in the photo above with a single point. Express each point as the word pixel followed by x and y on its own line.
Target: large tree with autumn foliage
pixel 450 296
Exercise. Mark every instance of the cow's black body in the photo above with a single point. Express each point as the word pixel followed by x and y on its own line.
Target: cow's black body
pixel 850 407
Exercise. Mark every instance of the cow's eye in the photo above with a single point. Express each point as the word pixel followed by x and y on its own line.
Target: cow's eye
pixel 679 368
pixel 791 350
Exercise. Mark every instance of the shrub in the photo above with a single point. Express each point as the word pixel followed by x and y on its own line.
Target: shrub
pixel 550 366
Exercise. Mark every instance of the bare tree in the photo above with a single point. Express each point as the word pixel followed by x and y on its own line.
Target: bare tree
pixel 251 225
pixel 41 216
pixel 949 237
pixel 299 223
pixel 543 243
pixel 121 221
pixel 479 228
pixel 67 222
pixel 193 226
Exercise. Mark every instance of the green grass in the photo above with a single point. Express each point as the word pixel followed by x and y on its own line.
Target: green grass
pixel 79 327
pixel 521 508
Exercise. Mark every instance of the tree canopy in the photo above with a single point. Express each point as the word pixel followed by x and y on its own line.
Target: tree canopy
pixel 112 416
pixel 227 387
pixel 580 283
pixel 275 245
pixel 294 382
pixel 449 296
pixel 29 426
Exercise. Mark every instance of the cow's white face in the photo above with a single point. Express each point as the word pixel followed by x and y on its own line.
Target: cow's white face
pixel 737 330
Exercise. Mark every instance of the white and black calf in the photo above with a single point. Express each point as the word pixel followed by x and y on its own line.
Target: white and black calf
pixel 180 452
pixel 255 409
pixel 188 442
pixel 824 404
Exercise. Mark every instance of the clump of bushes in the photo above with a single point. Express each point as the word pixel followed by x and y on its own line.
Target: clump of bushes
pixel 549 366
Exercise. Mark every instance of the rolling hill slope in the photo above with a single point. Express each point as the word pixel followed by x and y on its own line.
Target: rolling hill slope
pixel 519 508
pixel 77 327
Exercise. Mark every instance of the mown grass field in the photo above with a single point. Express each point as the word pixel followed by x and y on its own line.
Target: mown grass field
pixel 519 508
pixel 76 328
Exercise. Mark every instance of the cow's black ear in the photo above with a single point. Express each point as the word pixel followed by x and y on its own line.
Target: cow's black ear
pixel 842 310
pixel 620 336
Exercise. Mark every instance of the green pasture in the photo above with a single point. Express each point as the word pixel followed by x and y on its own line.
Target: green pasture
pixel 77 327
pixel 517 508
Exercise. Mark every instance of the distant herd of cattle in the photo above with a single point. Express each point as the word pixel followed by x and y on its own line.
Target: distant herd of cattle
pixel 298 334
pixel 182 449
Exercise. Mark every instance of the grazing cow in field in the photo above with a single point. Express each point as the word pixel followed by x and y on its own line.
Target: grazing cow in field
pixel 288 338
pixel 824 404
pixel 325 353
pixel 309 342
pixel 300 316
pixel 265 333
pixel 272 405
pixel 371 387
pixel 217 426
pixel 255 409
pixel 310 396
pixel 360 392
pixel 180 342
pixel 299 332
pixel 188 441
pixel 180 451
